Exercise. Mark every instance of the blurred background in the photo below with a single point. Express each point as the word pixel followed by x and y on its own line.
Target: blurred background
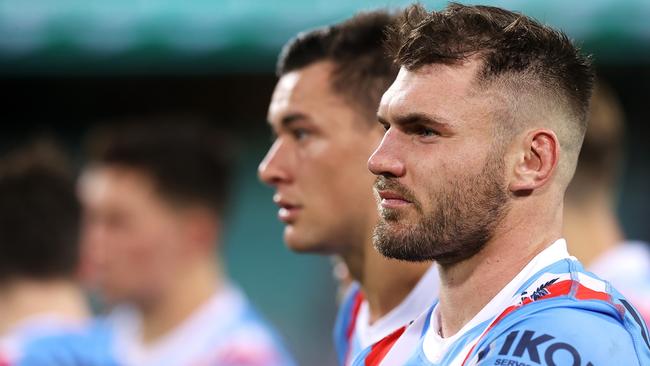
pixel 67 65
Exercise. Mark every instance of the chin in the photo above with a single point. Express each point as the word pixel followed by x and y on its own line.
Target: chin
pixel 300 242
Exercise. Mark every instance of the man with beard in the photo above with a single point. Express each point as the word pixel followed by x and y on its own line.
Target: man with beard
pixel 484 124
pixel 323 113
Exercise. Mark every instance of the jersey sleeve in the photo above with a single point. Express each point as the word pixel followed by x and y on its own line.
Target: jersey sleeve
pixel 59 351
pixel 559 337
pixel 84 347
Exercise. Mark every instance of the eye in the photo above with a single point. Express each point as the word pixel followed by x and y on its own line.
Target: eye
pixel 421 130
pixel 300 133
pixel 426 131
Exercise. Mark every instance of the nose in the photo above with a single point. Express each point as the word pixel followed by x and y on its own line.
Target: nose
pixel 385 160
pixel 272 169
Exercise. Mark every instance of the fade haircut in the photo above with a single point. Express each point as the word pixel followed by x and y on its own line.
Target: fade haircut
pixel 537 67
pixel 39 214
pixel 184 157
pixel 362 69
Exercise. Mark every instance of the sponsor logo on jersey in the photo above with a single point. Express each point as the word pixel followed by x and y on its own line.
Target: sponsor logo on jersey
pixel 527 347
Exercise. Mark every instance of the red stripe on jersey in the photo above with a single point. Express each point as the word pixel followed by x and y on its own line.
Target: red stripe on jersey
pixel 4 361
pixel 557 289
pixel 358 299
pixel 585 293
pixel 356 305
pixel 381 348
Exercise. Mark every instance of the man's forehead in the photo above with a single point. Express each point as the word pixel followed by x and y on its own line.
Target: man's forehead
pixel 300 87
pixel 435 84
pixel 304 91
pixel 101 177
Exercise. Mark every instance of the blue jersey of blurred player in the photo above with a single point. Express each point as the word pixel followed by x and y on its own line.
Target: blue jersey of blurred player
pixel 323 113
pixel 483 127
pixel 43 315
pixel 153 195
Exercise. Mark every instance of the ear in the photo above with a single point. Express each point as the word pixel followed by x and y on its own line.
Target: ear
pixel 536 162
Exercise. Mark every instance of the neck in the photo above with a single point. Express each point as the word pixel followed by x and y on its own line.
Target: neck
pixel 22 299
pixel 385 282
pixel 603 234
pixel 194 285
pixel 467 286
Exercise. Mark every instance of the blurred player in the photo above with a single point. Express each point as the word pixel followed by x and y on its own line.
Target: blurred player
pixel 153 195
pixel 590 223
pixel 323 115
pixel 43 314
pixel 484 124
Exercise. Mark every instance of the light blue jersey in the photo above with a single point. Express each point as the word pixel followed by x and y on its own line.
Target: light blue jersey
pixel 225 331
pixel 552 313
pixel 49 340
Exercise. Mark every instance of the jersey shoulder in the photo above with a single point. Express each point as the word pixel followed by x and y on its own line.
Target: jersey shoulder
pixel 570 318
pixel 562 336
pixel 251 342
pixel 89 345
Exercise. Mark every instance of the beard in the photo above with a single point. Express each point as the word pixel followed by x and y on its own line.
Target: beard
pixel 463 220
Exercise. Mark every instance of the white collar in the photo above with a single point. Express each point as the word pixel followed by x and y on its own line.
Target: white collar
pixel 435 347
pixel 415 303
pixel 222 308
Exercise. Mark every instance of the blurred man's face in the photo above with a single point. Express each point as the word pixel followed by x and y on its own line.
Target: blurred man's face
pixel 317 163
pixel 440 173
pixel 131 237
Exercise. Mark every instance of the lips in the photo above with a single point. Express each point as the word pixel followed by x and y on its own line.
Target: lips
pixel 288 212
pixel 392 199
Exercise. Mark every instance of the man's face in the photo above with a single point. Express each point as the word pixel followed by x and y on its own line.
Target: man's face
pixel 131 238
pixel 440 175
pixel 318 163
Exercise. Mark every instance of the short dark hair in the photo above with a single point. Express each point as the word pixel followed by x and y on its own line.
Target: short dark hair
pixel 186 158
pixel 363 71
pixel 39 214
pixel 532 57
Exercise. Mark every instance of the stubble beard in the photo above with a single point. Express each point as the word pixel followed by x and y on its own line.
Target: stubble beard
pixel 465 216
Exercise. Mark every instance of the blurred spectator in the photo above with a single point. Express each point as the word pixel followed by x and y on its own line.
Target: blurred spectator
pixel 43 314
pixel 591 227
pixel 323 113
pixel 153 195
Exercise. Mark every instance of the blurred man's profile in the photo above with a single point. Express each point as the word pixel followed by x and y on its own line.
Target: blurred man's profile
pixel 153 196
pixel 323 115
pixel 591 225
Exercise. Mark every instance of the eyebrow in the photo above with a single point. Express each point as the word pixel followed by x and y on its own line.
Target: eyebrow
pixel 417 118
pixel 288 120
